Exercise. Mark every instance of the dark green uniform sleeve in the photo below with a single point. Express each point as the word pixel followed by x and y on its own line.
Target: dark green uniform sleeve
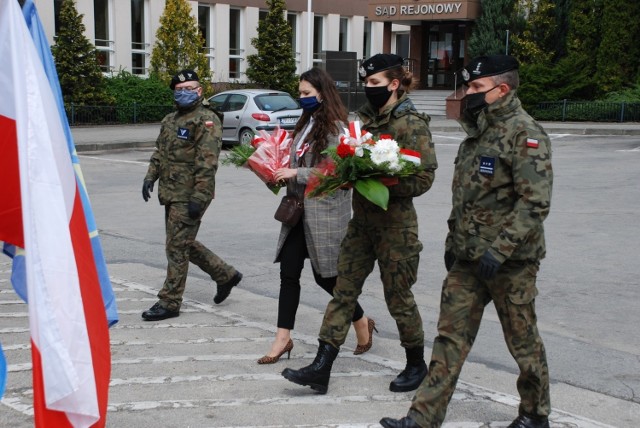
pixel 208 143
pixel 153 172
pixel 415 135
pixel 533 179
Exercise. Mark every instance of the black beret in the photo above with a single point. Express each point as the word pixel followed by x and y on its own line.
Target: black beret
pixel 491 65
pixel 184 76
pixel 379 62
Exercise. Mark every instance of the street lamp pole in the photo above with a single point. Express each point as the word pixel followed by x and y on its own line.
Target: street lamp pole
pixel 309 35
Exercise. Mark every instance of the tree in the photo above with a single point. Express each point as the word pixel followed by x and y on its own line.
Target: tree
pixel 618 58
pixel 76 61
pixel 536 43
pixel 490 33
pixel 274 65
pixel 179 45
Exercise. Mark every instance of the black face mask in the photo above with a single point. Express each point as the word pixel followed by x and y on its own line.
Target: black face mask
pixel 475 103
pixel 377 95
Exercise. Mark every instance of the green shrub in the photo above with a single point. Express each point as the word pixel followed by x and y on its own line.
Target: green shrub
pixel 128 88
pixel 631 94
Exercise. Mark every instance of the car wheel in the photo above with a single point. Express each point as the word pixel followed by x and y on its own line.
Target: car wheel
pixel 246 136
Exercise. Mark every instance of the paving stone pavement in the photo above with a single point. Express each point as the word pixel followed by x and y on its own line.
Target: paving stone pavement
pixel 199 370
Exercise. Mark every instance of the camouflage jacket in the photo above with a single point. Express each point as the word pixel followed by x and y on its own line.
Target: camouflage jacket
pixel 411 130
pixel 501 186
pixel 186 156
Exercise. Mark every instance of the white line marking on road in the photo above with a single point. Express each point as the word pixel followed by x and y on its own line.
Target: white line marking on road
pixel 14 315
pixel 114 160
pixel 234 377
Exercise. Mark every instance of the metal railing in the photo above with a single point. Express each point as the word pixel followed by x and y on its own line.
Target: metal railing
pixel 586 111
pixel 112 115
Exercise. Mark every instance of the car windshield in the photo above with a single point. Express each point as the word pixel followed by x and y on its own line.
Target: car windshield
pixel 271 102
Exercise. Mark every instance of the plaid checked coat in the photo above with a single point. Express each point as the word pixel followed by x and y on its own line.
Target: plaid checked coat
pixel 325 219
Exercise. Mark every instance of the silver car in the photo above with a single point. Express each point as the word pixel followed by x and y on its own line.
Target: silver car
pixel 247 111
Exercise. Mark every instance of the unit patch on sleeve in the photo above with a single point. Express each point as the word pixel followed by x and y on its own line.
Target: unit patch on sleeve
pixel 487 165
pixel 183 133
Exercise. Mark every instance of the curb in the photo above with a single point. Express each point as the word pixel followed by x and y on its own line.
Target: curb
pixel 95 147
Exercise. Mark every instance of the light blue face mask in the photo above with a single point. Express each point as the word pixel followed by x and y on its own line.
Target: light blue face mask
pixel 185 98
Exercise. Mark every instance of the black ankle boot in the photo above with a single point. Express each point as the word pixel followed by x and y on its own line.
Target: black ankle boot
pixel 413 374
pixel 317 374
pixel 405 422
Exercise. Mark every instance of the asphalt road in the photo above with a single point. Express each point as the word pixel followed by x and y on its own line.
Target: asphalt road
pixel 199 369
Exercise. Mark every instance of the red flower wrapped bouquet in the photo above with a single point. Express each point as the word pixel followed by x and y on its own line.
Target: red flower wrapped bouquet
pixel 365 163
pixel 267 154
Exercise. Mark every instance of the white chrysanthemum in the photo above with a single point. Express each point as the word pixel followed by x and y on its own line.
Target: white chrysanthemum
pixel 386 150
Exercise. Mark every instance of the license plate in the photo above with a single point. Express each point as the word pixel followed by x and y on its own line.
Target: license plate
pixel 288 120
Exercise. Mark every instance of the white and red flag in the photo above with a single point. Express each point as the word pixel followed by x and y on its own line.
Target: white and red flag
pixel 41 211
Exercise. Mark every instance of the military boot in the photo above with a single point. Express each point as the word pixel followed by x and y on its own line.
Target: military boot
pixel 317 374
pixel 524 421
pixel 405 422
pixel 413 374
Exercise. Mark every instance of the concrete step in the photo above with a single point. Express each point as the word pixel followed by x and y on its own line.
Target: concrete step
pixel 431 102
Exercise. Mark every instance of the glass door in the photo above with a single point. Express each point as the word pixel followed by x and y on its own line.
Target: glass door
pixel 445 54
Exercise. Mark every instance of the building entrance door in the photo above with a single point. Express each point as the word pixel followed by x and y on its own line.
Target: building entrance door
pixel 446 48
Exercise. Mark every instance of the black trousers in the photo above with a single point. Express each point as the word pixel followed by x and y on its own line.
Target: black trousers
pixel 292 256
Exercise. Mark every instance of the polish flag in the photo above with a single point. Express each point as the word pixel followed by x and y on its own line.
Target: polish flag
pixel 41 211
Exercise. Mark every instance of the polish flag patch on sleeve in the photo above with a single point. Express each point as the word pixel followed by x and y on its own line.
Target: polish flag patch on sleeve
pixel 533 143
pixel 208 123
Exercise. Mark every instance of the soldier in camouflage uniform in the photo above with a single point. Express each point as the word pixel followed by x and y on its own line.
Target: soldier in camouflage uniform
pixel 389 237
pixel 185 161
pixel 501 195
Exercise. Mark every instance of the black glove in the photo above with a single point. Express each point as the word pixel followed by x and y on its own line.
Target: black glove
pixel 147 188
pixel 449 260
pixel 488 266
pixel 194 209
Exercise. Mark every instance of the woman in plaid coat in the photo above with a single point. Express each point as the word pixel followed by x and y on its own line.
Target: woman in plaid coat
pixel 318 234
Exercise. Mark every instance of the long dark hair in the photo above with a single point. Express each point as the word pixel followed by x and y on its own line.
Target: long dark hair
pixel 330 111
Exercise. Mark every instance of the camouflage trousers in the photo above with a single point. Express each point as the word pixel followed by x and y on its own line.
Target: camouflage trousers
pixel 397 251
pixel 181 248
pixel 462 304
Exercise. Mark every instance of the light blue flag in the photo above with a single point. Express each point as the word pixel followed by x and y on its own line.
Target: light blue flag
pixel 18 271
pixel 3 372
pixel 44 51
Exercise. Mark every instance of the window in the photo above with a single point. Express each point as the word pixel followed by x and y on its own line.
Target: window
pixel 139 46
pixel 57 4
pixel 204 24
pixel 236 102
pixel 275 102
pixel 292 19
pixel 344 34
pixel 318 23
pixel 402 44
pixel 102 31
pixel 235 49
pixel 366 40
pixel 217 102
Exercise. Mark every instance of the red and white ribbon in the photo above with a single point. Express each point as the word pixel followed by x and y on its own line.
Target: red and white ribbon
pixel 410 156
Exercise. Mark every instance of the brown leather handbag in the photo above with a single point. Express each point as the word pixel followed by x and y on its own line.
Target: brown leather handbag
pixel 289 211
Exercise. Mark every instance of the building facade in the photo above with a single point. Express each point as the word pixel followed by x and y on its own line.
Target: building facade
pixel 124 31
pixel 437 32
pixel 431 34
